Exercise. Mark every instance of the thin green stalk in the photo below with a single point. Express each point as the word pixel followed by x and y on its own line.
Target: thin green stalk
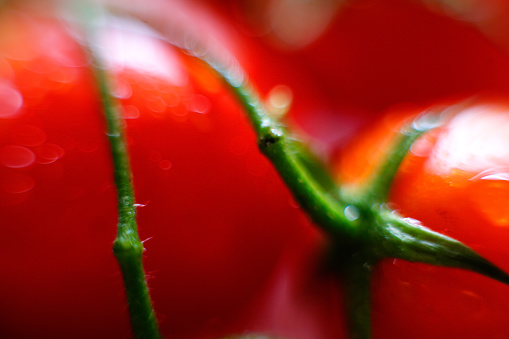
pixel 357 275
pixel 322 205
pixel 127 247
pixel 377 188
pixel 323 208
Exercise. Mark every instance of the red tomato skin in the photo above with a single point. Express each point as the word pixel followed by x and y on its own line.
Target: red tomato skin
pixel 214 216
pixel 58 201
pixel 453 182
pixel 373 55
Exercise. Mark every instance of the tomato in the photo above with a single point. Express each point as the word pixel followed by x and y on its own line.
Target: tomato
pixel 362 57
pixel 214 217
pixel 454 181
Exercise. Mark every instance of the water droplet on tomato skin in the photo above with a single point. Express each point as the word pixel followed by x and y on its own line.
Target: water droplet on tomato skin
pixel 279 100
pixel 48 153
pixel 63 75
pixel 16 183
pixel 130 112
pixel 155 104
pixel 15 156
pixel 165 165
pixel 489 192
pixel 293 203
pixel 11 101
pixel 199 104
pixel 471 301
pixel 122 89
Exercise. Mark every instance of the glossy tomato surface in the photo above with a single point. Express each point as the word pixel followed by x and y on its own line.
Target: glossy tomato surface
pixel 214 217
pixel 348 61
pixel 454 181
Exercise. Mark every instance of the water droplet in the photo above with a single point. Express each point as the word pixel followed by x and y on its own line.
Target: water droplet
pixel 427 121
pixel 489 195
pixel 179 112
pixel 28 135
pixel 10 101
pixel 422 147
pixel 155 104
pixel 48 153
pixel 64 75
pixel 471 301
pixel 122 89
pixel 130 112
pixel 115 134
pixel 236 75
pixel 279 100
pixel 351 213
pixel 200 104
pixel 165 165
pixel 293 203
pixel 16 156
pixel 17 183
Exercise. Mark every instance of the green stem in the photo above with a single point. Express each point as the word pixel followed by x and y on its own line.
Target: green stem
pixel 323 208
pixel 377 188
pixel 357 273
pixel 407 239
pixel 127 247
pixel 321 204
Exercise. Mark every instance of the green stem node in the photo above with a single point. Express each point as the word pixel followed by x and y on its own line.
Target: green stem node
pixel 127 247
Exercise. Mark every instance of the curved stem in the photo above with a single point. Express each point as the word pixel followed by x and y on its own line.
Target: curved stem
pixel 323 206
pixel 377 187
pixel 407 239
pixel 127 247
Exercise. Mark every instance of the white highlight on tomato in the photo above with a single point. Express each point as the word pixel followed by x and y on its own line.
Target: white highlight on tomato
pixel 10 101
pixel 473 141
